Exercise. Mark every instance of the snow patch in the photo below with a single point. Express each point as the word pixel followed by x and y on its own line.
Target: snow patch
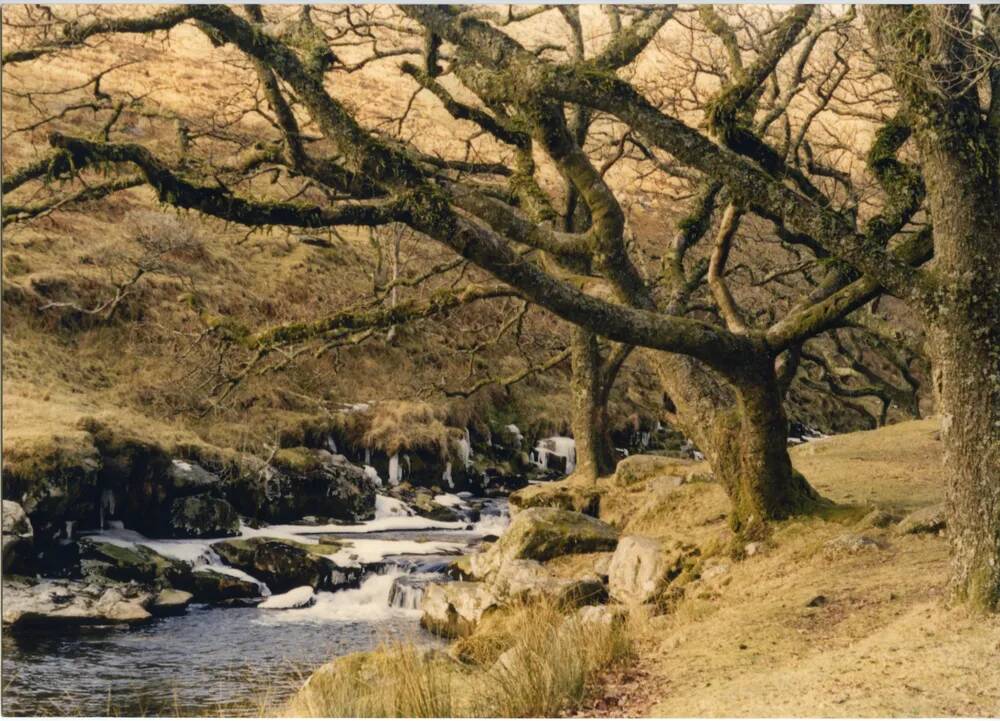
pixel 301 597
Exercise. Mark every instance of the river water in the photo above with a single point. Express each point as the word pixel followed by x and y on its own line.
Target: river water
pixel 235 661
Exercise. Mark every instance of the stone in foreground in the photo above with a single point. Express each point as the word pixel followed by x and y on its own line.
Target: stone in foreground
pixel 641 569
pixel 454 609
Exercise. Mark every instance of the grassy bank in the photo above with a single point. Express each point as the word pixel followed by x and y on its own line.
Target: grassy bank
pixel 532 660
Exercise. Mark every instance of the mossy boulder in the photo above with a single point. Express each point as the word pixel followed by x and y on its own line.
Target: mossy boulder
pixel 54 478
pixel 101 559
pixel 304 482
pixel 638 468
pixel 211 586
pixel 519 580
pixel 202 516
pixel 567 495
pixel 283 565
pixel 540 534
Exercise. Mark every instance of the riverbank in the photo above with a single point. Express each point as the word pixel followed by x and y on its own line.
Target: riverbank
pixel 838 614
pixel 217 659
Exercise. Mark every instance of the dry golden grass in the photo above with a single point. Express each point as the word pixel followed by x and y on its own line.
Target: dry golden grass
pixel 881 642
pixel 406 424
pixel 530 660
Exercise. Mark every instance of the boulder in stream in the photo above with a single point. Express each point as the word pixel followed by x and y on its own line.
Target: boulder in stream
pixel 170 602
pixel 18 539
pixel 284 565
pixel 105 560
pixel 301 597
pixel 212 586
pixel 74 603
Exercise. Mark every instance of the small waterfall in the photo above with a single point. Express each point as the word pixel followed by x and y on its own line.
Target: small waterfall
pixel 408 591
pixel 331 443
pixel 446 476
pixel 69 529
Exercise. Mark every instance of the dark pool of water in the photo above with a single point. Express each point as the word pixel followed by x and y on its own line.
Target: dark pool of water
pixel 213 661
pixel 233 661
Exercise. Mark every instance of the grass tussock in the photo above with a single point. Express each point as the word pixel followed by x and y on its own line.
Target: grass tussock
pixel 396 425
pixel 532 660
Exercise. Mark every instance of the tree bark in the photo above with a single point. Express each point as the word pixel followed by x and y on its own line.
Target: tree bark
pixel 743 431
pixel 965 344
pixel 594 452
pixel 959 156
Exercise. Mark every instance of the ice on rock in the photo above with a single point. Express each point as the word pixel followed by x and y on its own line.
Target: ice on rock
pixel 363 551
pixel 386 507
pixel 449 499
pixel 301 597
pixel 372 474
pixel 561 446
pixel 395 472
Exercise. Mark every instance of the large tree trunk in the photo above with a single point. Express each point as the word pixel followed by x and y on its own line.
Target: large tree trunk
pixel 594 452
pixel 959 161
pixel 965 335
pixel 743 431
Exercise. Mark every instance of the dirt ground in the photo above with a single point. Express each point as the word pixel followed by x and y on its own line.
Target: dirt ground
pixel 813 625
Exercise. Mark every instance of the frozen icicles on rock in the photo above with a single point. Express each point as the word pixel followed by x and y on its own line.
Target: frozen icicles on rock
pixel 557 453
pixel 372 475
pixel 107 504
pixel 395 473
pixel 301 597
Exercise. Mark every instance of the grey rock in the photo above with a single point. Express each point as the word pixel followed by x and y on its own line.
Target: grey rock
pixel 202 516
pixel 170 602
pixel 540 534
pixel 641 569
pixel 929 519
pixel 74 603
pixel 454 609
